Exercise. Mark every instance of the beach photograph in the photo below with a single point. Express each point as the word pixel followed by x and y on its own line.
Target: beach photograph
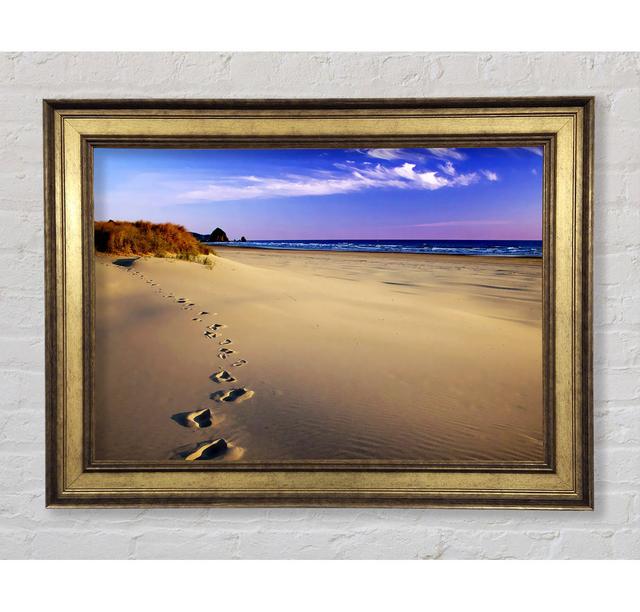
pixel 290 305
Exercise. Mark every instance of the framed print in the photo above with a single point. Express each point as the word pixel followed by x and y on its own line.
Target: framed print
pixel 319 302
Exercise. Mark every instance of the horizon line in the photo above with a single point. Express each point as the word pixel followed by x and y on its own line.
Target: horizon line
pixel 378 239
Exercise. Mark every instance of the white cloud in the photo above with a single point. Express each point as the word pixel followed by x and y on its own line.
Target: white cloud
pixel 273 187
pixel 414 155
pixel 346 178
pixel 448 168
pixel 466 179
pixel 447 153
pixel 429 180
pixel 384 153
pixel 490 175
pixel 534 150
pixel 534 172
pixel 406 171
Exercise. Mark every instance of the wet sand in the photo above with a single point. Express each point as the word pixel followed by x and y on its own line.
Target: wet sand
pixel 296 355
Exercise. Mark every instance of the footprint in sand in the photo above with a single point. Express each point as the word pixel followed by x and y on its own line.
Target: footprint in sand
pixel 223 353
pixel 198 419
pixel 239 363
pixel 225 341
pixel 182 300
pixel 209 449
pixel 233 395
pixel 204 312
pixel 210 335
pixel 196 319
pixel 216 326
pixel 222 377
pixel 206 450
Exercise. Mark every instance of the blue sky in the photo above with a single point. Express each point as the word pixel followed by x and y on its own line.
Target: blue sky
pixel 418 193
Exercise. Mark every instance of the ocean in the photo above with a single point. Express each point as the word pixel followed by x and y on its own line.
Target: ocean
pixel 508 248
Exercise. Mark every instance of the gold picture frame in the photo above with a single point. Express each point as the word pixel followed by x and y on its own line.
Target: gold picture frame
pixel 562 126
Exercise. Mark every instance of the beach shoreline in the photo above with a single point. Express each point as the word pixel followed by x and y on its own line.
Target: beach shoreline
pixel 231 246
pixel 347 356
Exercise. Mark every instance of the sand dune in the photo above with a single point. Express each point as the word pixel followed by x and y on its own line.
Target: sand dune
pixel 343 356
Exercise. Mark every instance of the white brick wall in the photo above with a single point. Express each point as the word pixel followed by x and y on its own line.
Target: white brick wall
pixel 27 530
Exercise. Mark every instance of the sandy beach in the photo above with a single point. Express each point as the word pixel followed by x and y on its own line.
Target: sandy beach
pixel 301 355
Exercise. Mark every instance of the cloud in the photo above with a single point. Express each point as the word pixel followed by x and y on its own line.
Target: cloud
pixel 408 155
pixel 466 179
pixel 383 176
pixel 345 178
pixel 414 155
pixel 447 153
pixel 266 187
pixel 384 153
pixel 448 168
pixel 490 175
pixel 429 180
pixel 534 150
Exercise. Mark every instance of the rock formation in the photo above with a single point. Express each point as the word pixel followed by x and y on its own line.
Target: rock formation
pixel 218 235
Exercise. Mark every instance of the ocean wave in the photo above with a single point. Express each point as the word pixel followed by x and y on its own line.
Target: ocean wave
pixel 504 248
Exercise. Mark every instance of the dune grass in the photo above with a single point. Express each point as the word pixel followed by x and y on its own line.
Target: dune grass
pixel 151 239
